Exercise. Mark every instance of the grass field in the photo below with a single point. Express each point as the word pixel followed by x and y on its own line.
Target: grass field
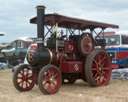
pixel 116 91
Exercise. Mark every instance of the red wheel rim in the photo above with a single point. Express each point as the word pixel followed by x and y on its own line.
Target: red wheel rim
pixel 86 45
pixel 26 79
pixel 51 80
pixel 101 69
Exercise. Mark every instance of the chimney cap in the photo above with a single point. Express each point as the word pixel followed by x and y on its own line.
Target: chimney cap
pixel 40 7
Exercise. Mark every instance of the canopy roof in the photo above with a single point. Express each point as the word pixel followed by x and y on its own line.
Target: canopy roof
pixel 75 23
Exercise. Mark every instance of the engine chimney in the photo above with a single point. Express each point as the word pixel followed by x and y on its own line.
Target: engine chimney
pixel 40 25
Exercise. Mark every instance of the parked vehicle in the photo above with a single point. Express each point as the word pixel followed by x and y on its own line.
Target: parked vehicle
pixel 117 47
pixel 3 65
pixel 15 52
pixel 68 55
pixel 120 74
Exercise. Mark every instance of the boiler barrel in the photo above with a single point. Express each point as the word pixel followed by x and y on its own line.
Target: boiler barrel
pixel 39 56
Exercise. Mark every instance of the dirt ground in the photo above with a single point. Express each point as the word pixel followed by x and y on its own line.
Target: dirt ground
pixel 116 91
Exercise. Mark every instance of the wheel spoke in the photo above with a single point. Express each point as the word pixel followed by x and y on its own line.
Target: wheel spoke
pixel 26 72
pixel 21 72
pixel 19 80
pixel 55 82
pixel 21 84
pixel 49 73
pixel 30 76
pixel 26 84
pixel 44 82
pixel 55 75
pixel 46 78
pixel 95 65
pixel 103 59
pixel 29 81
pixel 53 86
pixel 95 75
pixel 104 79
pixel 101 79
pixel 97 79
pixel 19 76
pixel 46 86
pixel 94 69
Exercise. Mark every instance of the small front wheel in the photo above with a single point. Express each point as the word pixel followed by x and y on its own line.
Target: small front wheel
pixel 49 79
pixel 24 78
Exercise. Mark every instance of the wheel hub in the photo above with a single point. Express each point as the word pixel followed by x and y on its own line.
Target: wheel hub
pixel 25 78
pixel 100 69
pixel 52 79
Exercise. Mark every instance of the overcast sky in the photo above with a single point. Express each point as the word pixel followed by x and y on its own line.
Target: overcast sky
pixel 15 14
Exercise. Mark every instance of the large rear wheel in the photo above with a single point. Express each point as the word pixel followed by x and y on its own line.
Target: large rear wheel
pixel 98 68
pixel 49 79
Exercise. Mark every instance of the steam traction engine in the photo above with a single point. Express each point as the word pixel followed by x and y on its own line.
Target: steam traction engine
pixel 77 52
